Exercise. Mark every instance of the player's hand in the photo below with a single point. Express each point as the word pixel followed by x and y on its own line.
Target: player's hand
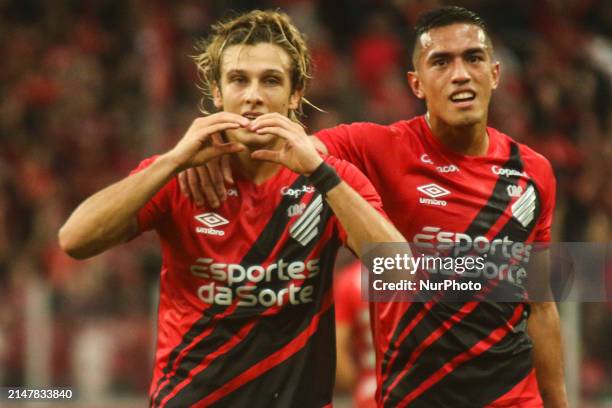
pixel 206 183
pixel 297 154
pixel 197 147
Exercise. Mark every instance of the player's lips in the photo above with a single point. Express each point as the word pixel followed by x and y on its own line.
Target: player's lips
pixel 463 98
pixel 252 115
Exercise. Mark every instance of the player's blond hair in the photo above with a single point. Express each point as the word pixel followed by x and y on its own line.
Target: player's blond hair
pixel 253 28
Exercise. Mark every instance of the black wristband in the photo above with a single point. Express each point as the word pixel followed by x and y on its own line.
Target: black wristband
pixel 324 178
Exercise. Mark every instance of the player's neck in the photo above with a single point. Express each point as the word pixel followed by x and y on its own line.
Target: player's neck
pixel 256 171
pixel 471 140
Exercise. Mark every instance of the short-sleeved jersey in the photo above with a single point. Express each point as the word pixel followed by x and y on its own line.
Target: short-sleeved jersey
pixel 352 311
pixel 246 314
pixel 452 354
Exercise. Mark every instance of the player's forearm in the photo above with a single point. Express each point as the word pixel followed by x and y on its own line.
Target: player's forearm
pixel 544 329
pixel 108 217
pixel 362 223
pixel 346 369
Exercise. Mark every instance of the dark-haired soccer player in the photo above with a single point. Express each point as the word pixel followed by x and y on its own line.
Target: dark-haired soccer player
pixel 447 176
pixel 246 303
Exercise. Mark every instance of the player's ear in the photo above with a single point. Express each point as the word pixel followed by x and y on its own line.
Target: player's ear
pixel 295 98
pixel 217 97
pixel 415 84
pixel 495 72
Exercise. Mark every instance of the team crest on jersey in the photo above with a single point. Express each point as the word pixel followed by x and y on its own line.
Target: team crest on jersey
pixel 212 221
pixel 306 228
pixel 523 209
pixel 434 192
pixel 295 209
pixel 514 191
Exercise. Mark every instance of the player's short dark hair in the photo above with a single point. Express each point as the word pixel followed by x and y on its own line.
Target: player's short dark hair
pixel 445 16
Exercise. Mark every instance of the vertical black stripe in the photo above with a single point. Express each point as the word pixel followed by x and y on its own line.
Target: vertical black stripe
pixel 407 317
pixel 513 229
pixel 498 200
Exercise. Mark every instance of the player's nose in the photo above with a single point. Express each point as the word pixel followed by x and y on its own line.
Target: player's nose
pixel 253 94
pixel 460 73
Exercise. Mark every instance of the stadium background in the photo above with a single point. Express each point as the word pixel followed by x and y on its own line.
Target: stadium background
pixel 88 88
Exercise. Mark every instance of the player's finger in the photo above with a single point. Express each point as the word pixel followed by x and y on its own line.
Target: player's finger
pixel 193 180
pixel 278 120
pixel 217 138
pixel 267 155
pixel 209 192
pixel 225 148
pixel 182 179
pixel 278 131
pixel 214 171
pixel 222 117
pixel 226 169
pixel 219 127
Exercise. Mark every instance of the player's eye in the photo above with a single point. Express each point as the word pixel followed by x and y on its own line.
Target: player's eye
pixel 440 63
pixel 238 79
pixel 473 59
pixel 272 80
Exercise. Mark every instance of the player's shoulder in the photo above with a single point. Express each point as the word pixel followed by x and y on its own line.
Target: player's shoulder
pixel 343 167
pixel 377 130
pixel 533 161
pixel 348 172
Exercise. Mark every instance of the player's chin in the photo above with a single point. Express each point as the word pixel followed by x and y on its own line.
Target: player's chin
pixel 255 141
pixel 467 118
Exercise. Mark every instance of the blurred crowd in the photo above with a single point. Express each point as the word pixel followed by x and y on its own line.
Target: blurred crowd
pixel 88 88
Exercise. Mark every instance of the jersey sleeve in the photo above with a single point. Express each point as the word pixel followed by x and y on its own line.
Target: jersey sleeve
pixel 351 142
pixel 149 216
pixel 548 191
pixel 360 183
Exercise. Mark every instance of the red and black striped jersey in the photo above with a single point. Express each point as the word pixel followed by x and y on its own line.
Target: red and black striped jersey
pixel 452 354
pixel 246 314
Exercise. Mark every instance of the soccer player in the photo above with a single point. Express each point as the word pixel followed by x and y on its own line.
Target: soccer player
pixel 447 176
pixel 246 313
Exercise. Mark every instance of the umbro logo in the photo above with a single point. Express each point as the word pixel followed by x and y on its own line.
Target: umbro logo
pixel 211 220
pixel 434 191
